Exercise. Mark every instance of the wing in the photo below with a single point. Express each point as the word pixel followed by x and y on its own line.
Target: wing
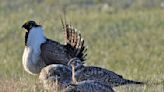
pixel 96 73
pixel 74 43
pixel 88 86
pixel 53 52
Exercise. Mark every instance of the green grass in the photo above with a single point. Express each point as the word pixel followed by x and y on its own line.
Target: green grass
pixel 128 42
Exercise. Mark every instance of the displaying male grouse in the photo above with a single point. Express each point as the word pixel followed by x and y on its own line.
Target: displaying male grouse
pixel 40 51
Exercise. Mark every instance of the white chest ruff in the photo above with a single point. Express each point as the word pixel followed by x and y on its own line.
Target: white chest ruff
pixel 31 56
pixel 31 61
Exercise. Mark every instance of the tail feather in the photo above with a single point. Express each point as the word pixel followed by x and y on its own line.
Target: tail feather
pixel 133 82
pixel 79 47
pixel 74 42
pixel 127 82
pixel 76 38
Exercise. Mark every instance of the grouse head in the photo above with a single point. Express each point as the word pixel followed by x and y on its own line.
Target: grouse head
pixel 29 25
pixel 76 63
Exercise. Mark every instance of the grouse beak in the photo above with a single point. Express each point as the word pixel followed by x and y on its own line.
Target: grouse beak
pixel 23 26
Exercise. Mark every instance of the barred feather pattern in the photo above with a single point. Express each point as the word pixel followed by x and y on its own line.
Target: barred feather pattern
pixel 53 52
pixel 57 78
pixel 73 39
pixel 88 86
pixel 110 78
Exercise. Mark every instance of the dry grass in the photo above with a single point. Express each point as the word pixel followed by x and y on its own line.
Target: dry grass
pixel 129 42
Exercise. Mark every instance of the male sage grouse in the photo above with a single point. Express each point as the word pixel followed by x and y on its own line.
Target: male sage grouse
pixel 40 51
pixel 96 73
pixel 58 78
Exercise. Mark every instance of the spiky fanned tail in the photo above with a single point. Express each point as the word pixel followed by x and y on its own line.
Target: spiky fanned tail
pixel 74 42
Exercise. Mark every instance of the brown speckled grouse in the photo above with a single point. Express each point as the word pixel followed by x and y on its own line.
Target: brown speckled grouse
pixel 110 78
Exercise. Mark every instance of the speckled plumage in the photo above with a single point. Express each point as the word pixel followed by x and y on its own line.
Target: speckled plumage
pixel 88 86
pixel 57 78
pixel 110 78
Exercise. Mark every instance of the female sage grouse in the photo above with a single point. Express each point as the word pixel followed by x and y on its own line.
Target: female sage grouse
pixel 57 78
pixel 96 73
pixel 88 86
pixel 40 51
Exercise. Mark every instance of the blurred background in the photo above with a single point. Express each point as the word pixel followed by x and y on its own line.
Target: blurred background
pixel 124 36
